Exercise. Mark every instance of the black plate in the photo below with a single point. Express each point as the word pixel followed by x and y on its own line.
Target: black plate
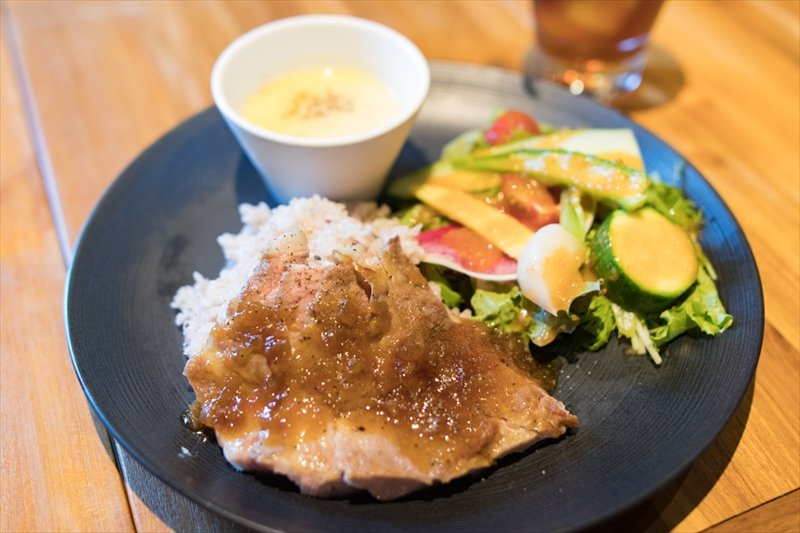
pixel 641 426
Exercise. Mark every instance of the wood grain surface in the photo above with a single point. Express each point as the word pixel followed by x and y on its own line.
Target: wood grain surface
pixel 51 444
pixel 86 86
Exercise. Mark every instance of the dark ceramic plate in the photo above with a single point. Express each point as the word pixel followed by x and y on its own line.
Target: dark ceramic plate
pixel 641 426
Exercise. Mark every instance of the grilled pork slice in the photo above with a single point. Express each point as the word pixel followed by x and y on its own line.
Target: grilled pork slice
pixel 356 377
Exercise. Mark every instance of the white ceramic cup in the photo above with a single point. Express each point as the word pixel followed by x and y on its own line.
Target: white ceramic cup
pixel 348 167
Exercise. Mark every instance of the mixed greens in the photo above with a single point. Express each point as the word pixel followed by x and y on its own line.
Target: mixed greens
pixel 539 231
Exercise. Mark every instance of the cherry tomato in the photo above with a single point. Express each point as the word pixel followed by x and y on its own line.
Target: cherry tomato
pixel 509 126
pixel 528 201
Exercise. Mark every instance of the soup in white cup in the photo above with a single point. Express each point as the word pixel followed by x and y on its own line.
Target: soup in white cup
pixel 338 96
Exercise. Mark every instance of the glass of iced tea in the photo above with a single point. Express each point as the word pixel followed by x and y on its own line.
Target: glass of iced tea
pixel 593 46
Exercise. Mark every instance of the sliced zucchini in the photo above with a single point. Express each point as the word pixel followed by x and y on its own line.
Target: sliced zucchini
pixel 600 178
pixel 645 260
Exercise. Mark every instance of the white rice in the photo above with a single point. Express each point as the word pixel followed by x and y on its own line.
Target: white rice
pixel 328 229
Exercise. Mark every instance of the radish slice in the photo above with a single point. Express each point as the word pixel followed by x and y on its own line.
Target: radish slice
pixel 441 249
pixel 549 268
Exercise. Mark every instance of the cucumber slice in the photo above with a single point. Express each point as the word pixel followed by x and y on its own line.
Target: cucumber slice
pixel 645 260
pixel 600 178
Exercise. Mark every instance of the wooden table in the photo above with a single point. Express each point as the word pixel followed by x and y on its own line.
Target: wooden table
pixel 87 86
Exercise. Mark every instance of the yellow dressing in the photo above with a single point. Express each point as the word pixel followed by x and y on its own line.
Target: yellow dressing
pixel 561 274
pixel 593 175
pixel 624 158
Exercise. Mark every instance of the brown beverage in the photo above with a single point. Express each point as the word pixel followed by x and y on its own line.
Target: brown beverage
pixel 598 43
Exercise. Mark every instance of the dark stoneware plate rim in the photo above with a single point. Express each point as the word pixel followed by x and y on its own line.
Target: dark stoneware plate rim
pixel 153 227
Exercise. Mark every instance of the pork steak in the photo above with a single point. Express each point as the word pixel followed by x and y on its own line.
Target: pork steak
pixel 350 376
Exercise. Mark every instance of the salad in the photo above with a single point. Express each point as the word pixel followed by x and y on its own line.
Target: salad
pixel 542 231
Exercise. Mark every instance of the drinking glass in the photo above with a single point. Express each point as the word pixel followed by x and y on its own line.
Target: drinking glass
pixel 593 46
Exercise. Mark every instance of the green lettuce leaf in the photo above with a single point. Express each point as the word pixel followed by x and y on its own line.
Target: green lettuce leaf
pixel 510 312
pixel 449 295
pixel 671 202
pixel 545 327
pixel 576 212
pixel 598 323
pixel 702 309
pixel 501 310
pixel 421 214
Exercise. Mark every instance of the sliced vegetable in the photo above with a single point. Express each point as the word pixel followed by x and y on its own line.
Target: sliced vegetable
pixel 509 126
pixel 502 230
pixel 630 325
pixel 545 141
pixel 645 261
pixel 463 250
pixel 548 271
pixel 601 178
pixel 445 175
pixel 617 144
pixel 528 201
